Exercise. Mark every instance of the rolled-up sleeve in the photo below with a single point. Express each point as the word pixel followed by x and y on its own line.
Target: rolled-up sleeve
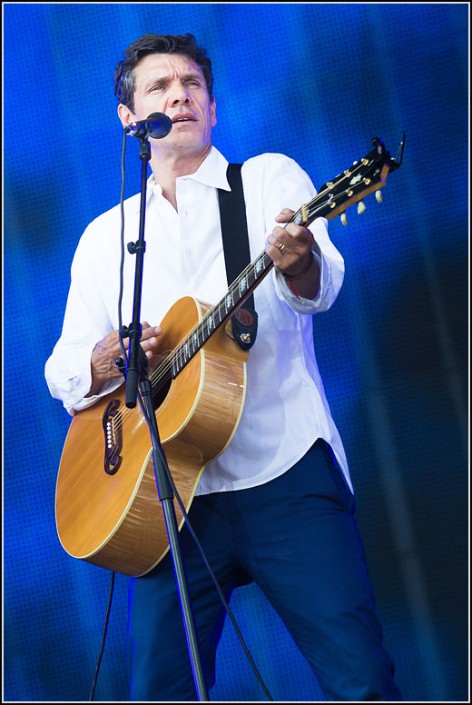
pixel 68 371
pixel 287 185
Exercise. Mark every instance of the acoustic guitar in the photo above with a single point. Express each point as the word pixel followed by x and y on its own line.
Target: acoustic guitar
pixel 107 506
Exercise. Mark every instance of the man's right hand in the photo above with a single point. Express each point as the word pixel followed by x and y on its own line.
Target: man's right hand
pixel 108 349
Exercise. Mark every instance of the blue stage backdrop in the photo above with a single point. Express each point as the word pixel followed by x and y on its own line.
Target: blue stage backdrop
pixel 316 82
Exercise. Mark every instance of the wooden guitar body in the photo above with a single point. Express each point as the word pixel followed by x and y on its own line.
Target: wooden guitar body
pixel 115 520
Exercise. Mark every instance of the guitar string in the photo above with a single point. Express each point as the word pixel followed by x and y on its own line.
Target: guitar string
pixel 160 376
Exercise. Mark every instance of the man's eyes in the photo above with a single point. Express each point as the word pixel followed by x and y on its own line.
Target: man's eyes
pixel 189 82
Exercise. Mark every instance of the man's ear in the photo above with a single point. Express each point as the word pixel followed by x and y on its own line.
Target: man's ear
pixel 213 112
pixel 125 114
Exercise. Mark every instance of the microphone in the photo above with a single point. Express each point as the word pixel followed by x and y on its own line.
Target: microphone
pixel 156 125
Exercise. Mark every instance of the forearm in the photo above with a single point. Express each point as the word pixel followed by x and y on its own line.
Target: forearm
pixel 103 367
pixel 305 284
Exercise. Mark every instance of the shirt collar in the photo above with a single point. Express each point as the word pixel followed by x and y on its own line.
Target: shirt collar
pixel 211 172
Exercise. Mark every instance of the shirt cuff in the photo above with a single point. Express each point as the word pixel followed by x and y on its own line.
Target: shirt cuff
pixel 299 303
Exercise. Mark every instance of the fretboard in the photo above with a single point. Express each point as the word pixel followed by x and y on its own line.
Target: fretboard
pixel 216 316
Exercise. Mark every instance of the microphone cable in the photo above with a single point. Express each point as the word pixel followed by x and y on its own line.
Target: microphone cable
pixel 120 299
pixel 105 629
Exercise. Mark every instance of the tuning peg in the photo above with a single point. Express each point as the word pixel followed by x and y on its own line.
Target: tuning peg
pixel 343 219
pixel 360 207
pixel 378 196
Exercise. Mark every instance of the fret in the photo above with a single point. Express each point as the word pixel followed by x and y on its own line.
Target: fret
pixel 217 316
pixel 243 285
pixel 175 364
pixel 210 324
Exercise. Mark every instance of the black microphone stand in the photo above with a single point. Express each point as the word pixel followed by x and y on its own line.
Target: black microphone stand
pixel 137 371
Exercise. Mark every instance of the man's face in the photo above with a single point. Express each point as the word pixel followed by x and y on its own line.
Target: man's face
pixel 173 84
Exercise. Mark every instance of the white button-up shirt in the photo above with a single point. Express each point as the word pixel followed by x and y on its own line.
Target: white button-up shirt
pixel 285 408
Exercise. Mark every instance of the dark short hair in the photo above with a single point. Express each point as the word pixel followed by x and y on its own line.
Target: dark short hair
pixel 158 44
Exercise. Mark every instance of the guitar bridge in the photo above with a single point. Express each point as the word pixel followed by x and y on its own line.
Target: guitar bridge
pixel 111 423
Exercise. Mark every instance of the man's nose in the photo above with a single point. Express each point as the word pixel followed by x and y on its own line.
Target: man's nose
pixel 180 95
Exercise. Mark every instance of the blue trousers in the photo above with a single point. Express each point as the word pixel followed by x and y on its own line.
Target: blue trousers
pixel 297 538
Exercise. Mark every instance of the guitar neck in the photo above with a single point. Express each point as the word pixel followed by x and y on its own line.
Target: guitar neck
pixel 218 315
pixel 362 178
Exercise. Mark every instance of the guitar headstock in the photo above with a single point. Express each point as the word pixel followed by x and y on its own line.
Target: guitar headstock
pixel 353 185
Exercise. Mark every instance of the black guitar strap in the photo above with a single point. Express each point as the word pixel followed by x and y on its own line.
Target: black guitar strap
pixel 237 255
